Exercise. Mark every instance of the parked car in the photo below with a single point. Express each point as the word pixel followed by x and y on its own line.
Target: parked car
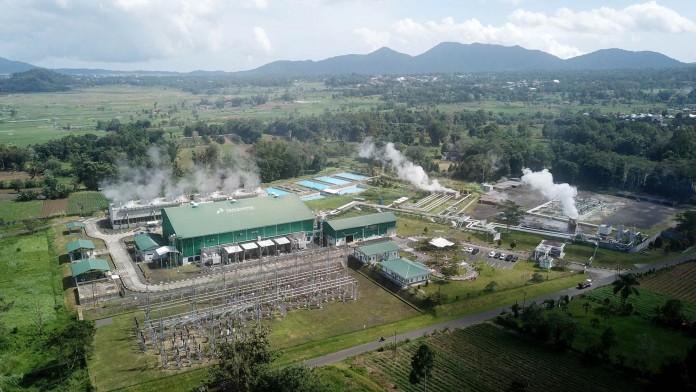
pixel 496 256
pixel 491 254
pixel 469 249
pixel 514 259
pixel 508 258
pixel 475 251
pixel 502 256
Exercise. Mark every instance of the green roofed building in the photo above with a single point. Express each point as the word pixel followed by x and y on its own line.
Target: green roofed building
pixel 377 252
pixel 147 244
pixel 195 227
pixel 89 269
pixel 405 272
pixel 359 228
pixel 79 249
pixel 77 225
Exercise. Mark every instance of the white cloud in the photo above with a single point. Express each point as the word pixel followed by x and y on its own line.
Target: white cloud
pixel 557 33
pixel 372 38
pixel 262 39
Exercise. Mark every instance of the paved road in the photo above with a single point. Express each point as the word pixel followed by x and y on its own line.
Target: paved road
pixel 602 278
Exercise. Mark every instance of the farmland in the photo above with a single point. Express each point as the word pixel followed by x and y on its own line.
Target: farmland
pixel 488 358
pixel 644 304
pixel 677 282
pixel 86 203
pixel 54 207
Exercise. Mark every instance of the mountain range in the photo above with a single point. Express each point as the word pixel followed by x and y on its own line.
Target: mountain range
pixel 447 57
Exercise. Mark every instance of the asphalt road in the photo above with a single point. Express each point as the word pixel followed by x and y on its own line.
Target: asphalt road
pixel 479 318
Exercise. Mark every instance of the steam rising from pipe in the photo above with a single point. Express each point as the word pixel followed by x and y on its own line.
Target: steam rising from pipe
pixel 405 169
pixel 543 182
pixel 146 183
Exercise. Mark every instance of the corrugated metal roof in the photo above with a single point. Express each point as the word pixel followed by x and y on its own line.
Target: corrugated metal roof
pixel 363 220
pixel 148 241
pixel 73 246
pixel 77 224
pixel 227 216
pixel 87 265
pixel 406 268
pixel 281 240
pixel 379 248
pixel 265 243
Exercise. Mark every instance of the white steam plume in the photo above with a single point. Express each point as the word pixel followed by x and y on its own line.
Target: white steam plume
pixel 147 183
pixel 405 169
pixel 543 182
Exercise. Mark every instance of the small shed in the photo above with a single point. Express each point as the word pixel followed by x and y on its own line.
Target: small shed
pixel 89 269
pixel 377 252
pixel 80 249
pixel 76 226
pixel 405 272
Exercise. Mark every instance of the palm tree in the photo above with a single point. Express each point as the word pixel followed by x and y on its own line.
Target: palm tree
pixel 626 285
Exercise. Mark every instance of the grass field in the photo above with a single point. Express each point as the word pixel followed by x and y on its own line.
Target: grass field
pixel 30 277
pixel 45 116
pixel 15 211
pixel 645 303
pixel 487 358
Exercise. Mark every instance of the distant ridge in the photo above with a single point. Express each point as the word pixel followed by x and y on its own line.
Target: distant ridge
pixel 446 57
pixel 9 66
pixel 449 57
pixel 624 59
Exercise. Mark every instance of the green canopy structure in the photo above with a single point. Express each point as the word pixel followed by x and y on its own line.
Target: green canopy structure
pixel 79 245
pixel 76 225
pixel 87 265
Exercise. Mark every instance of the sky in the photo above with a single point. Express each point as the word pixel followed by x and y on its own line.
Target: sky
pixel 235 35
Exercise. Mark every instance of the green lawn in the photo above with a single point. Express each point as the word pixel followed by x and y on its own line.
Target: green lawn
pixel 15 211
pixel 374 307
pixel 30 279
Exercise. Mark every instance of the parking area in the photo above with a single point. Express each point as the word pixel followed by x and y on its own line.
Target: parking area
pixel 495 258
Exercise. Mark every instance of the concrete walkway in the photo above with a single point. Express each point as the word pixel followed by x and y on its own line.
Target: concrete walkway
pixel 604 278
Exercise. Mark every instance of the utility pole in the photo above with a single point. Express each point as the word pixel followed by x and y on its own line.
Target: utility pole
pixel 524 298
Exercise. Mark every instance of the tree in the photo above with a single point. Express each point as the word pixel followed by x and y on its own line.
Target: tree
pixel 240 360
pixel 672 312
pixel 511 214
pixel 587 306
pixel 608 339
pixel 17 184
pixel 449 271
pixel 626 285
pixel 687 221
pixel 421 364
pixel 293 378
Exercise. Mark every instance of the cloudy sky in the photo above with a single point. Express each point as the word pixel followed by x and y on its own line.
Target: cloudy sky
pixel 233 35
